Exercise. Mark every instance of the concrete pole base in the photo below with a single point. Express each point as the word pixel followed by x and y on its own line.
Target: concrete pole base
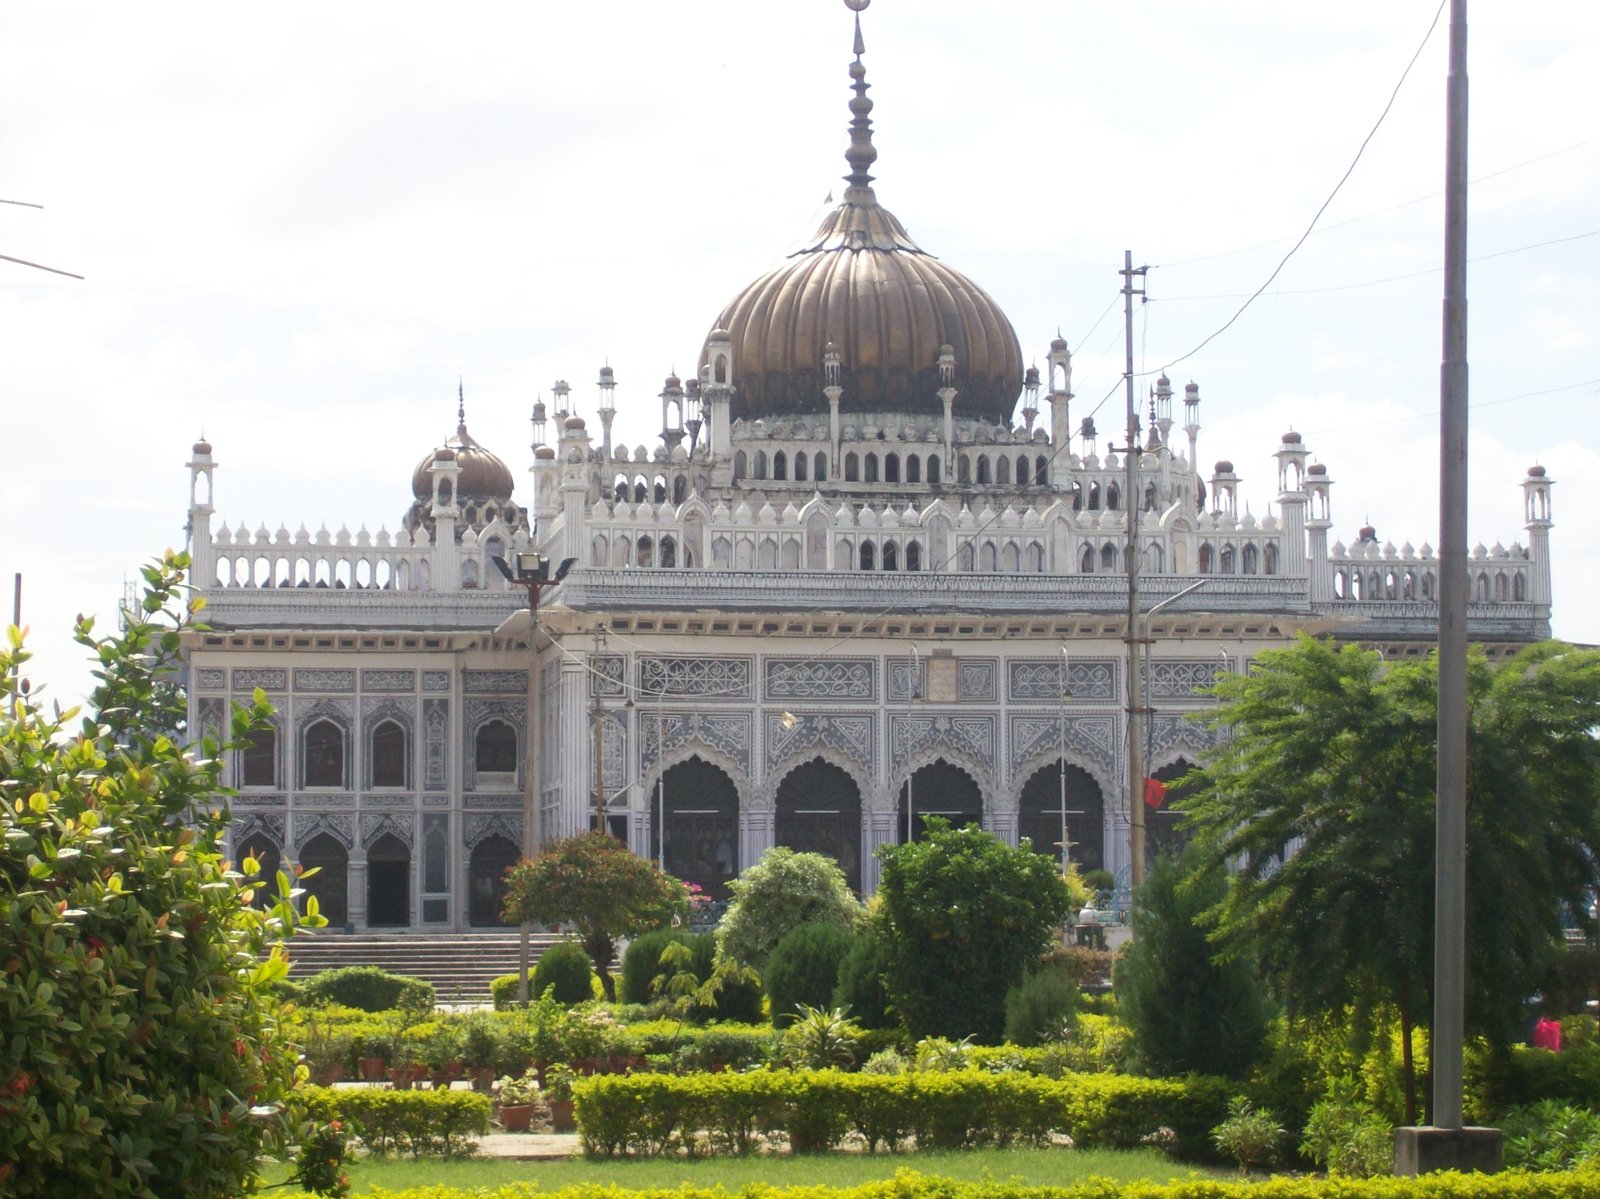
pixel 1422 1150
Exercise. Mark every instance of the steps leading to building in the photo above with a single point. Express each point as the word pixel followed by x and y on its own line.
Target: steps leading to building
pixel 459 965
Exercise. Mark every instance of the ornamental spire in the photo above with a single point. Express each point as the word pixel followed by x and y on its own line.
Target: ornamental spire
pixel 461 404
pixel 861 153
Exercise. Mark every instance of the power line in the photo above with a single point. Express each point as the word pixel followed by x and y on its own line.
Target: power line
pixel 1336 189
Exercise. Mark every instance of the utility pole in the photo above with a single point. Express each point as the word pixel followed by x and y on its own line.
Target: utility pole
pixel 1130 501
pixel 599 734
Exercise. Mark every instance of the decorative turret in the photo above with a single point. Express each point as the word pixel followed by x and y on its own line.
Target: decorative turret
pixel 1319 521
pixel 1191 422
pixel 201 467
pixel 1536 509
pixel 1292 500
pixel 608 407
pixel 1225 489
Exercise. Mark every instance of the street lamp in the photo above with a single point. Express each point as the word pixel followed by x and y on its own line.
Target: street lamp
pixel 1061 725
pixel 911 776
pixel 532 571
pixel 1136 782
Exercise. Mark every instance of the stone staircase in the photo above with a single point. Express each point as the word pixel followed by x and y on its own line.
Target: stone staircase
pixel 459 965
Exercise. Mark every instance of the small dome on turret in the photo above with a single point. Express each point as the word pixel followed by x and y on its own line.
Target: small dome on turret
pixel 574 424
pixel 545 452
pixel 1058 342
pixel 204 447
pixel 1316 468
pixel 1534 472
pixel 1030 377
pixel 1367 533
pixel 1292 438
pixel 1224 467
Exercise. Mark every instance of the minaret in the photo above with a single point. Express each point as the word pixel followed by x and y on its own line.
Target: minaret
pixel 716 390
pixel 1292 501
pixel 832 389
pixel 1225 489
pixel 574 463
pixel 608 408
pixel 200 512
pixel 1191 423
pixel 1060 361
pixel 1030 398
pixel 1319 570
pixel 446 558
pixel 672 413
pixel 947 397
pixel 1536 510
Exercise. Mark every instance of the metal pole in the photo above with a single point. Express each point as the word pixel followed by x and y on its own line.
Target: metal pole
pixel 1061 721
pixel 661 797
pixel 911 806
pixel 1449 934
pixel 1131 503
pixel 530 782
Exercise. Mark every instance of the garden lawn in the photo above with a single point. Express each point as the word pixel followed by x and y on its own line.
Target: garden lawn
pixel 1028 1166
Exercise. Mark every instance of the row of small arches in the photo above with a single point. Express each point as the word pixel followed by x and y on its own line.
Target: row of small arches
pixel 324 758
pixel 1499 587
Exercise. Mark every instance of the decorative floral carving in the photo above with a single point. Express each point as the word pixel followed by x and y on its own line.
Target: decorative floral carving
pixel 507 682
pixel 851 736
pixel 211 680
pixel 389 680
pixel 706 677
pixel 436 680
pixel 435 729
pixel 828 678
pixel 1040 679
pixel 248 679
pixel 1184 678
pixel 312 679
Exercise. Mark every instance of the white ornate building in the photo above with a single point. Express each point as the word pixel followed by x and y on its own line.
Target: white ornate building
pixel 855 580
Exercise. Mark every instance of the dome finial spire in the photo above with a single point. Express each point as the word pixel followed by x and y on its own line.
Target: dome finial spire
pixel 861 153
pixel 461 404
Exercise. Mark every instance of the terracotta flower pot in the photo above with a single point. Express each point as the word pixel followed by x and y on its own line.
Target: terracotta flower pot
pixel 482 1077
pixel 516 1117
pixel 561 1118
pixel 373 1069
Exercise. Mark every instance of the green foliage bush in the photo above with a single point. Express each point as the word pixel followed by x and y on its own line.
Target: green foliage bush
pixel 421 1123
pixel 1550 1135
pixel 565 968
pixel 1501 1079
pixel 369 989
pixel 1250 1135
pixel 737 1000
pixel 781 891
pixel 1040 1007
pixel 651 1114
pixel 804 968
pixel 140 1054
pixel 1347 1136
pixel 641 964
pixel 861 988
pixel 503 991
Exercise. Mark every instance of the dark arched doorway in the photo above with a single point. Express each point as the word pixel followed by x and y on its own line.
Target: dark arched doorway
pixel 486 881
pixel 938 789
pixel 701 824
pixel 819 811
pixel 1039 815
pixel 330 884
pixel 1163 831
pixel 388 883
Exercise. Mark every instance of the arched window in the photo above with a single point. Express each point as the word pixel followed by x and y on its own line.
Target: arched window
pixel 1108 557
pixel 820 474
pixel 866 555
pixel 983 470
pixel 1094 497
pixel 1427 584
pixel 891 556
pixel 1207 555
pixel 872 468
pixel 914 558
pixel 988 560
pixel 1227 560
pixel 913 469
pixel 780 465
pixel 1113 496
pixel 324 755
pixel 260 767
pixel 644 552
pixel 800 468
pixel 680 489
pixel 761 464
pixel 1022 470
pixel 1519 587
pixel 739 466
pixel 1269 560
pixel 933 470
pixel 495 748
pixel 891 468
pixel 964 469
pixel 1248 560
pixel 669 553
pixel 1041 470
pixel 389 755
pixel 1086 560
pixel 852 468
pixel 1002 470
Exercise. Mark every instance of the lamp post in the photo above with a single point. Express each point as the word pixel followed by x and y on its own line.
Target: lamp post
pixel 1061 727
pixel 532 571
pixel 1137 846
pixel 661 795
pixel 911 774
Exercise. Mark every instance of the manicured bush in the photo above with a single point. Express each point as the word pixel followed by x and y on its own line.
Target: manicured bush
pixel 804 968
pixel 641 964
pixel 1347 1136
pixel 737 1000
pixel 503 991
pixel 431 1123
pixel 564 968
pixel 1040 1007
pixel 651 1114
pixel 861 989
pixel 781 891
pixel 1250 1135
pixel 140 1054
pixel 370 989
pixel 1498 1080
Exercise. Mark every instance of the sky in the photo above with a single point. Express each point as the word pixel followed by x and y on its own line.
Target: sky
pixel 300 225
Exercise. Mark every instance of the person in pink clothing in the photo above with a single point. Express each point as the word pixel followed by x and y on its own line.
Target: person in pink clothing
pixel 1547 1034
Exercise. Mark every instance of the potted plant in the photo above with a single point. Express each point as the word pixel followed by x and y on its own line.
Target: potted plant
pixel 328 1057
pixel 376 1048
pixel 443 1051
pixel 558 1080
pixel 521 1102
pixel 406 1066
pixel 481 1041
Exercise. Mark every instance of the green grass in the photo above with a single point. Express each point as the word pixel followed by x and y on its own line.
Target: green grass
pixel 1032 1166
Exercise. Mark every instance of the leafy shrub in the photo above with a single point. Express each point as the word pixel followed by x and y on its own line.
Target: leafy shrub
pixel 1040 1007
pixel 737 999
pixel 861 987
pixel 1550 1135
pixel 886 1061
pixel 481 1040
pixel 503 991
pixel 1499 1080
pixel 137 1033
pixel 641 964
pixel 370 989
pixel 940 1054
pixel 1347 1136
pixel 781 891
pixel 421 1123
pixel 564 967
pixel 821 1039
pixel 1250 1136
pixel 804 968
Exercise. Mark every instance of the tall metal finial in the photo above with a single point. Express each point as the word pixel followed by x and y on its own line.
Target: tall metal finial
pixel 861 153
pixel 461 403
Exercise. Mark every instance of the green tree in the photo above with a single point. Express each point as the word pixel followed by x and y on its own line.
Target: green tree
pixel 965 915
pixel 599 886
pixel 141 1055
pixel 1322 795
pixel 783 890
pixel 804 969
pixel 1189 1011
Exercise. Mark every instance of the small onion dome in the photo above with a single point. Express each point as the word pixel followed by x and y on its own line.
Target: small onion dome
pixel 1224 467
pixel 1292 438
pixel 1316 468
pixel 673 382
pixel 574 424
pixel 483 475
pixel 607 375
pixel 1367 533
pixel 544 453
pixel 1163 381
pixel 204 447
pixel 1058 342
pixel 1031 377
pixel 538 410
pixel 1192 389
pixel 1534 472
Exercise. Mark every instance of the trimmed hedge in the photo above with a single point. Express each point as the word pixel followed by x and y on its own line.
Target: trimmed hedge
pixel 433 1123
pixel 651 1114
pixel 370 988
pixel 565 968
pixel 908 1184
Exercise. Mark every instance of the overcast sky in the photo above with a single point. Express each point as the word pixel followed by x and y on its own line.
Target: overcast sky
pixel 301 223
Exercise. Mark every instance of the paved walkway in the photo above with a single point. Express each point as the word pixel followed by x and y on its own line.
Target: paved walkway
pixel 528 1146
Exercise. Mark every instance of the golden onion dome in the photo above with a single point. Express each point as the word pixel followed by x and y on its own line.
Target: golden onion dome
pixel 483 476
pixel 885 304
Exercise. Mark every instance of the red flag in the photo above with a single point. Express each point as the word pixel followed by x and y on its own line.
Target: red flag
pixel 1155 793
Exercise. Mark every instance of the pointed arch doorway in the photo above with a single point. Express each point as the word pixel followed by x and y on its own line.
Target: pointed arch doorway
pixel 819 811
pixel 388 883
pixel 486 880
pixel 700 804
pixel 938 789
pixel 327 855
pixel 1039 815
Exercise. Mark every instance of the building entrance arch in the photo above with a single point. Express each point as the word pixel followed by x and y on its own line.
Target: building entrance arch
pixel 819 811
pixel 701 826
pixel 938 789
pixel 389 883
pixel 486 881
pixel 1039 814
pixel 1163 831
pixel 326 855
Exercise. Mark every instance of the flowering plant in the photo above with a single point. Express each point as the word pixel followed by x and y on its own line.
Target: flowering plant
pixel 515 1092
pixel 699 901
